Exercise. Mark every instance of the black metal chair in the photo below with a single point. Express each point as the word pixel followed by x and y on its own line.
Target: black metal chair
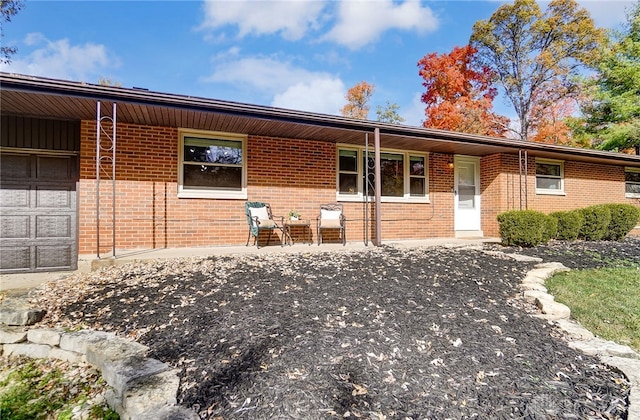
pixel 259 218
pixel 331 217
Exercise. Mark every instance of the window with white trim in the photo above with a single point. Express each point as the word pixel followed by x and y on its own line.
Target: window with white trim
pixel 212 165
pixel 632 182
pixel 403 175
pixel 549 176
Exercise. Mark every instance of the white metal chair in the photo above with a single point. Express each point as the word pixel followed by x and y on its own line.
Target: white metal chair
pixel 331 217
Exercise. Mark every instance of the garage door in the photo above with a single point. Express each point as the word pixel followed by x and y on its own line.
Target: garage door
pixel 38 213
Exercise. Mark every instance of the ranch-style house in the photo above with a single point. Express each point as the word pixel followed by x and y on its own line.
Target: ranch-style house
pixel 91 169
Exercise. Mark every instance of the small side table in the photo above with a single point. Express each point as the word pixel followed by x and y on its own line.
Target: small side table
pixel 304 224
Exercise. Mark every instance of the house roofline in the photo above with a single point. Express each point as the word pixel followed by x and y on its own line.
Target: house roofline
pixel 143 97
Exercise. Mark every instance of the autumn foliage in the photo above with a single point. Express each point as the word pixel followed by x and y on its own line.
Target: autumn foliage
pixel 458 96
pixel 358 101
pixel 551 106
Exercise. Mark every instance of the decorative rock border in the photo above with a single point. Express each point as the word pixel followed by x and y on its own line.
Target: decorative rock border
pixel 140 387
pixel 621 357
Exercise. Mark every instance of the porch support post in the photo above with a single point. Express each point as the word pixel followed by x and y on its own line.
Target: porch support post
pixel 378 239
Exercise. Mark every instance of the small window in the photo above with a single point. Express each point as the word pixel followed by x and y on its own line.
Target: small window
pixel 632 182
pixel 348 171
pixel 549 177
pixel 212 165
pixel 417 176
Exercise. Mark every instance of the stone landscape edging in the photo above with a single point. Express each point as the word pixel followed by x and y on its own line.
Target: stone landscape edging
pixel 621 357
pixel 141 388
pixel 146 389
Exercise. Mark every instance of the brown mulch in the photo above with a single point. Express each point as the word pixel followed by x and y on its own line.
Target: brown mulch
pixel 382 333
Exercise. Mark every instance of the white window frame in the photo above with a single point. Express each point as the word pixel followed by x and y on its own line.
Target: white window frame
pixel 626 194
pixel 359 196
pixel 203 192
pixel 549 191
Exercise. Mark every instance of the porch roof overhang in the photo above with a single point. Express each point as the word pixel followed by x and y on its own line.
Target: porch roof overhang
pixel 50 98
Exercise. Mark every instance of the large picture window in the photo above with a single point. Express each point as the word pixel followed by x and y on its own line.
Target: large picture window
pixel 403 175
pixel 212 165
pixel 632 182
pixel 549 177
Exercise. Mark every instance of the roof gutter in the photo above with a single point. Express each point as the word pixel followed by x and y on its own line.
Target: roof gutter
pixel 57 87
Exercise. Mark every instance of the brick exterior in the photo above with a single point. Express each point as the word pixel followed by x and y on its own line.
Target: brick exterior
pixel 585 184
pixel 294 174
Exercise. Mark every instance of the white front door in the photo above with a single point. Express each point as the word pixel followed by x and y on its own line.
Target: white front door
pixel 467 195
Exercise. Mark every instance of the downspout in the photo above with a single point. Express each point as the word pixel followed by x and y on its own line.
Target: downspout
pixel 378 240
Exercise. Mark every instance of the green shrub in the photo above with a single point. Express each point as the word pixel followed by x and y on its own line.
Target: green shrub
pixel 550 229
pixel 569 224
pixel 523 227
pixel 624 217
pixel 596 222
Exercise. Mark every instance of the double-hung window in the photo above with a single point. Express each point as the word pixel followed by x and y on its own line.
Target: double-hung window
pixel 549 177
pixel 212 165
pixel 348 172
pixel 403 175
pixel 632 182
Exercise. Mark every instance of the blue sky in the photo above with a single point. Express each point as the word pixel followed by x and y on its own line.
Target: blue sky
pixel 295 54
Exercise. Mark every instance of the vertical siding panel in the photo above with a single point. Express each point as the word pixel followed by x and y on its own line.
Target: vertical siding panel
pixel 36 130
pixel 28 130
pixel 49 138
pixel 35 133
pixel 19 133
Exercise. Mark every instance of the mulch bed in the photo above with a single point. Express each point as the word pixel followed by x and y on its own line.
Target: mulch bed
pixel 382 333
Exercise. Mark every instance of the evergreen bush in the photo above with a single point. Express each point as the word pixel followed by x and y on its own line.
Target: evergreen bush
pixel 569 224
pixel 523 228
pixel 624 217
pixel 596 222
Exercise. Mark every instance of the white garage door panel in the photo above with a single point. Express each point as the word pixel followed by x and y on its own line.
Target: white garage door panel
pixel 38 209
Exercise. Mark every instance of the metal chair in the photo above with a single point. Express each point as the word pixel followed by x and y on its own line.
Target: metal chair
pixel 259 218
pixel 331 217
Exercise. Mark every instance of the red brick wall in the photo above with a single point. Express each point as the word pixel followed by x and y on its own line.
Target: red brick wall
pixel 585 184
pixel 292 174
pixel 287 173
pixel 492 189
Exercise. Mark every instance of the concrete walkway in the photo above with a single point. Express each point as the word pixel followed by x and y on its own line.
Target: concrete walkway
pixel 18 283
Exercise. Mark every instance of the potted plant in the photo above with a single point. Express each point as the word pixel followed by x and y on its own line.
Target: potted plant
pixel 294 215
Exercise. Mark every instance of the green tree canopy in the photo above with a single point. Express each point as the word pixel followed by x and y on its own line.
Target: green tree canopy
pixel 389 113
pixel 529 51
pixel 612 108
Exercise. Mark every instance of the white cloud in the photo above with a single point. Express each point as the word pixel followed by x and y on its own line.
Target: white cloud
pixel 288 86
pixel 413 113
pixel 323 95
pixel 61 60
pixel 263 73
pixel 362 22
pixel 290 18
pixel 608 14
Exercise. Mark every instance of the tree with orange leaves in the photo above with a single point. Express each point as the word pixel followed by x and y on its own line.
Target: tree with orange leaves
pixel 458 96
pixel 358 101
pixel 551 106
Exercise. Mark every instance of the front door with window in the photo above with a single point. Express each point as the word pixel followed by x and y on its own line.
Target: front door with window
pixel 467 195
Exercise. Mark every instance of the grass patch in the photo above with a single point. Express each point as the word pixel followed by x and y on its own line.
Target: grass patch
pixel 606 301
pixel 41 389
